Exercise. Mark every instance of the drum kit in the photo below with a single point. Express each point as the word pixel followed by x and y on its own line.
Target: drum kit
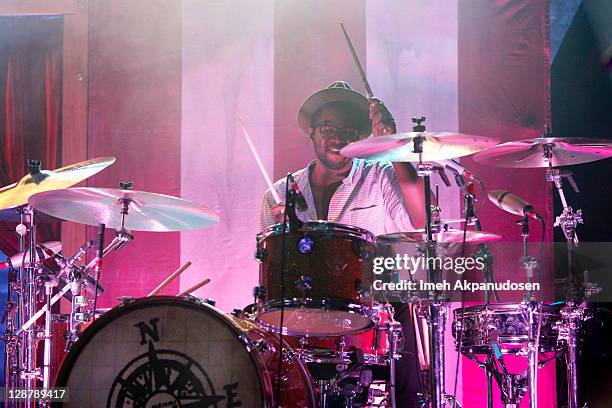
pixel 316 334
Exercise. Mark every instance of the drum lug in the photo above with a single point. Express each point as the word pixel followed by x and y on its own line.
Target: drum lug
pixel 304 285
pixel 260 253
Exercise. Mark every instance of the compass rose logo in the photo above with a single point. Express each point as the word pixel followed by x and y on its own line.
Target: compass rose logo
pixel 166 379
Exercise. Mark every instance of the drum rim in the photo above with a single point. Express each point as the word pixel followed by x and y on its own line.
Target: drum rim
pixel 503 307
pixel 339 305
pixel 69 360
pixel 319 226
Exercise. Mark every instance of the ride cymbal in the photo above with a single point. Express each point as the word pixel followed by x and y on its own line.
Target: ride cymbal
pixel 145 211
pixel 399 147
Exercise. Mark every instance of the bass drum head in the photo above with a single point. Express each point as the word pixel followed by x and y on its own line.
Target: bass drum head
pixel 162 352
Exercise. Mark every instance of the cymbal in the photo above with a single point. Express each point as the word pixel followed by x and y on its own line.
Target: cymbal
pixel 443 237
pixel 529 153
pixel 146 211
pixel 399 147
pixel 18 260
pixel 17 194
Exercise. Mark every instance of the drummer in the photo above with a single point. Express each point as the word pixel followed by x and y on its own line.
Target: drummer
pixel 381 197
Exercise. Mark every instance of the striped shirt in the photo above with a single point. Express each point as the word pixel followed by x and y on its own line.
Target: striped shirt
pixel 369 198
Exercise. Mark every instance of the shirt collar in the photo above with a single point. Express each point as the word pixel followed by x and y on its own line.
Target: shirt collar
pixel 348 180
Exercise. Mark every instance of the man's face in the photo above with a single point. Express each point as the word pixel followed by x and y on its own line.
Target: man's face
pixel 332 132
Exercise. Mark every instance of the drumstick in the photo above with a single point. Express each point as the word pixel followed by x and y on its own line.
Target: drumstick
pixel 195 287
pixel 359 67
pixel 169 279
pixel 262 169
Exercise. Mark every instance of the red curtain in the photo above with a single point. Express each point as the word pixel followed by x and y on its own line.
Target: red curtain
pixel 30 105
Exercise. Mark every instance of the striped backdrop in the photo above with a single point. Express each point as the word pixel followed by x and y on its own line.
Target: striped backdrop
pixel 168 80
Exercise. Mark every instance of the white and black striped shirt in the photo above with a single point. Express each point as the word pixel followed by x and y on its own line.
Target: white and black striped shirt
pixel 369 198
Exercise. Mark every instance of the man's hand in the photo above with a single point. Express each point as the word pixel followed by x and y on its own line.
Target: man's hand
pixel 278 211
pixel 382 120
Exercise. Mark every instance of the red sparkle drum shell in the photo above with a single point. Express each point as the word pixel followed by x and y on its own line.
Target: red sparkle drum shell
pixel 328 278
pixel 168 351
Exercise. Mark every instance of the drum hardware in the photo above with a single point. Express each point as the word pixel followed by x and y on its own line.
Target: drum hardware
pixel 551 152
pixel 421 148
pixel 493 330
pixel 437 307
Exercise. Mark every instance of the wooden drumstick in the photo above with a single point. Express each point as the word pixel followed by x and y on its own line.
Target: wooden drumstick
pixel 366 84
pixel 195 287
pixel 262 169
pixel 169 279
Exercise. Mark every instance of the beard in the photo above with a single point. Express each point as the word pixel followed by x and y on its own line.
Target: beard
pixel 329 159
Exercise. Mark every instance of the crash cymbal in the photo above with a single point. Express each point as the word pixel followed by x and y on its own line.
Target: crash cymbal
pixel 443 237
pixel 399 147
pixel 43 253
pixel 146 211
pixel 18 194
pixel 530 153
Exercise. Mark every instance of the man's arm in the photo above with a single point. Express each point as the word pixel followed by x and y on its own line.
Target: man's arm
pixel 410 184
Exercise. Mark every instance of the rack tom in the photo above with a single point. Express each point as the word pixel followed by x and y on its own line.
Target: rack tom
pixel 328 275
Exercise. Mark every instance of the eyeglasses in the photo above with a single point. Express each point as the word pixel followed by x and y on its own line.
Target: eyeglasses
pixel 329 131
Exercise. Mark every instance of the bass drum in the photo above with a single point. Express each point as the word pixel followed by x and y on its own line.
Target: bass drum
pixel 178 352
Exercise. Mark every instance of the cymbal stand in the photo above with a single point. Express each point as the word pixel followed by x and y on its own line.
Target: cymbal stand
pixel 438 307
pixel 28 371
pixel 78 312
pixel 572 314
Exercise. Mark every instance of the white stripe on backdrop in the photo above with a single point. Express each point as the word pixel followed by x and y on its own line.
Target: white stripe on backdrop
pixel 227 72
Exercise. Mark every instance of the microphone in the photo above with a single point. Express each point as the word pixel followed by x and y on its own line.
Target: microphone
pixel 99 250
pixel 300 201
pixel 457 168
pixel 513 204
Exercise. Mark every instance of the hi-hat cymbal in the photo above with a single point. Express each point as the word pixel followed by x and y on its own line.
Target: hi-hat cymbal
pixel 531 153
pixel 17 194
pixel 399 147
pixel 443 237
pixel 146 211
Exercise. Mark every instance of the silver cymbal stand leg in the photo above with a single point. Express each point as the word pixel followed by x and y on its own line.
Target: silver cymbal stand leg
pixel 49 285
pixel 572 313
pixel 30 374
pixel 395 329
pixel 532 357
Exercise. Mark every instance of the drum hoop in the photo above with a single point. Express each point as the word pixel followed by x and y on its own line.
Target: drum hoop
pixel 340 305
pixel 69 360
pixel 321 226
pixel 501 308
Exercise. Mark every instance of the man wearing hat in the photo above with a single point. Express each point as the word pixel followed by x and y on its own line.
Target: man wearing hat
pixel 380 197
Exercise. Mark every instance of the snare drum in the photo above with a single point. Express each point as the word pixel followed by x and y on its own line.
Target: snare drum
pixel 328 278
pixel 166 352
pixel 506 324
